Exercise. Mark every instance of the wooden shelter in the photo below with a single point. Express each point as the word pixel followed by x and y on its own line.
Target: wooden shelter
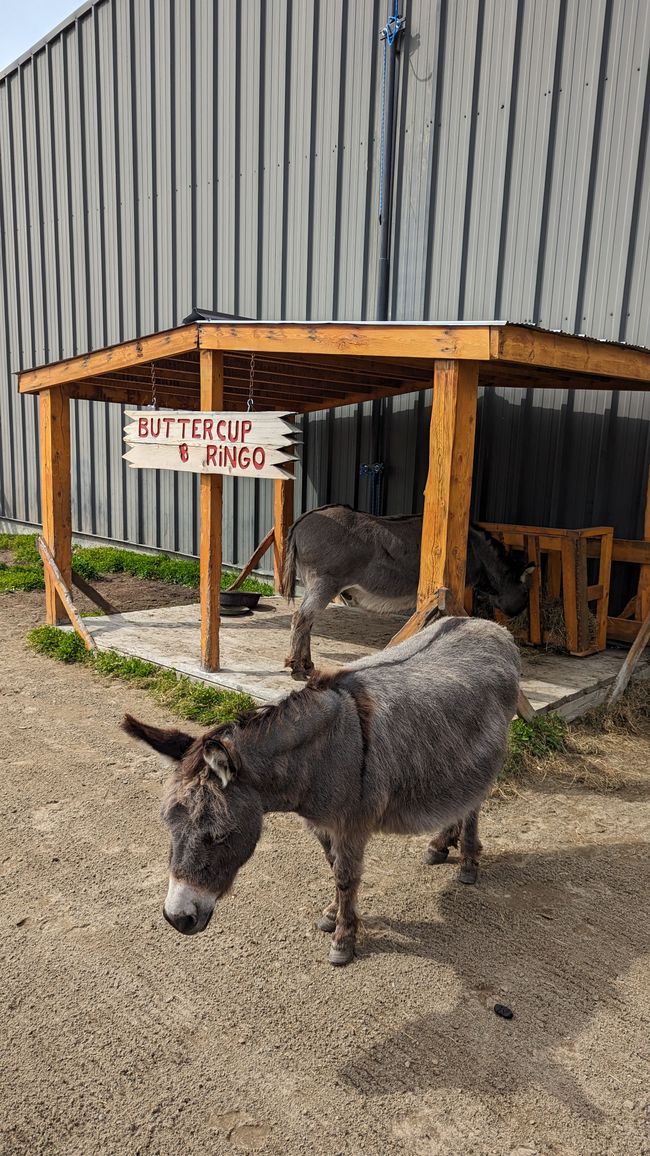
pixel 306 366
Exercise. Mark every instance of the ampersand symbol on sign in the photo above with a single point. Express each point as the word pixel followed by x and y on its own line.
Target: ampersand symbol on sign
pixel 183 451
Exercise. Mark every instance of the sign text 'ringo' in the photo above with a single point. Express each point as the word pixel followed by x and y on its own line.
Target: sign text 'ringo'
pixel 256 445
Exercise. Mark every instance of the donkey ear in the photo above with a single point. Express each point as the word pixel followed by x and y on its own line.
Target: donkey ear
pixel 221 757
pixel 171 744
pixel 527 573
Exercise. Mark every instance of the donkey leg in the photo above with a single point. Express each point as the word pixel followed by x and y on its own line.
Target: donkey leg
pixel 438 848
pixel 347 873
pixel 470 849
pixel 327 921
pixel 319 593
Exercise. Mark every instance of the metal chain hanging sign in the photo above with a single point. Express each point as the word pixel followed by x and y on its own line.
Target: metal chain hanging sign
pixel 246 444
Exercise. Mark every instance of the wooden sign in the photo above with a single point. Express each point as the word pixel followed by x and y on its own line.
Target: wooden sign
pixel 256 445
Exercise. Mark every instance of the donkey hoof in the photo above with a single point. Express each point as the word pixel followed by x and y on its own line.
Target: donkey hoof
pixel 432 856
pixel 326 923
pixel 299 674
pixel 468 875
pixel 341 954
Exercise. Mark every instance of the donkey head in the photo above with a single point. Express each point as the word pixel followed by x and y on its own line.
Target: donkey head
pixel 512 595
pixel 214 815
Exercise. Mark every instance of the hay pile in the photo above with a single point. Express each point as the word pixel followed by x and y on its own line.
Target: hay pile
pixel 553 625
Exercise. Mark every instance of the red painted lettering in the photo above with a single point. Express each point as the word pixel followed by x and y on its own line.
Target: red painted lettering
pixel 230 456
pixel 244 458
pixel 246 427
pixel 196 427
pixel 221 430
pixel 155 427
pixel 184 452
pixel 211 455
pixel 168 421
pixel 207 429
pixel 259 458
pixel 143 427
pixel 183 423
pixel 233 431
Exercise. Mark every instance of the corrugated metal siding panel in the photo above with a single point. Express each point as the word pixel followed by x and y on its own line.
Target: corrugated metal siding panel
pixel 159 156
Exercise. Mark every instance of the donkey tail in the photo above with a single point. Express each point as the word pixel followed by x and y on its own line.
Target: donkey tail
pixel 288 582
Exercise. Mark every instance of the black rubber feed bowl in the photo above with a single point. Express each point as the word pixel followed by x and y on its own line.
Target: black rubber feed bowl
pixel 240 598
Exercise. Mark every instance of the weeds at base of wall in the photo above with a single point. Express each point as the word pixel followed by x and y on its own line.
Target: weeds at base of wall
pixel 183 697
pixel 92 562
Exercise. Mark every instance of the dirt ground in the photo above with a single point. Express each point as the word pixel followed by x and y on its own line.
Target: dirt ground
pixel 119 1036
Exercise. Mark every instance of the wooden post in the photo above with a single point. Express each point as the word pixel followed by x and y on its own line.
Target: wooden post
pixel 448 490
pixel 604 572
pixel 282 519
pixel 54 408
pixel 210 540
pixel 627 670
pixel 535 591
pixel 643 605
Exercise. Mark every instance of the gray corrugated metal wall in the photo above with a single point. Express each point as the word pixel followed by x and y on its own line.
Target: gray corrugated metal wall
pixel 158 154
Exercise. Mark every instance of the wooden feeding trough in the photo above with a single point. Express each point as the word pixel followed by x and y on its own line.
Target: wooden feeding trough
pixel 564 553
pixel 305 366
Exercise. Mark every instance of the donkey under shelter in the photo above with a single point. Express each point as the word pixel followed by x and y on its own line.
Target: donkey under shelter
pixel 374 562
pixel 406 741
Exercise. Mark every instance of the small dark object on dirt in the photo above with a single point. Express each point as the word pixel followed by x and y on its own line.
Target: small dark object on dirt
pixel 239 598
pixel 503 1011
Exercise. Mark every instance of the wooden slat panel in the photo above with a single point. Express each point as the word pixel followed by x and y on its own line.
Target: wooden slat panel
pixel 622 630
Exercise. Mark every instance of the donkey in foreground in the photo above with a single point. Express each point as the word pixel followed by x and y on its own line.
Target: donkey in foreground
pixel 409 740
pixel 375 563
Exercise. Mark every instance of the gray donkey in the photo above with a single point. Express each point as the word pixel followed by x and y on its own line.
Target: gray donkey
pixel 375 563
pixel 409 740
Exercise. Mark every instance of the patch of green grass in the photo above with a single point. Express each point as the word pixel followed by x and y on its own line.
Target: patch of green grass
pixel 62 644
pixel 187 699
pixel 248 586
pixel 14 578
pixel 93 561
pixel 199 702
pixel 532 742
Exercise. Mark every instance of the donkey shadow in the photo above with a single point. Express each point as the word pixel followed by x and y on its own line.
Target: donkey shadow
pixel 549 934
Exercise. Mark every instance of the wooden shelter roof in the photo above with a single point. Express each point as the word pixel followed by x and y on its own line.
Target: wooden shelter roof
pixel 302 366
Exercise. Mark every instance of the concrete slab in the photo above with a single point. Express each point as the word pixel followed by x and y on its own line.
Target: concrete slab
pixel 253 651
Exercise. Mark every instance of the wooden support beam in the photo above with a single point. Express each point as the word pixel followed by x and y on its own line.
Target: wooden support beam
pixel 211 486
pixel 579 355
pixel 365 340
pixel 604 574
pixel 448 490
pixel 258 553
pixel 54 412
pixel 282 518
pixel 53 574
pixel 644 577
pixel 535 591
pixel 107 360
pixel 627 670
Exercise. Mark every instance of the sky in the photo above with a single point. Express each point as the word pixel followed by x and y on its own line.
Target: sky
pixel 24 22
